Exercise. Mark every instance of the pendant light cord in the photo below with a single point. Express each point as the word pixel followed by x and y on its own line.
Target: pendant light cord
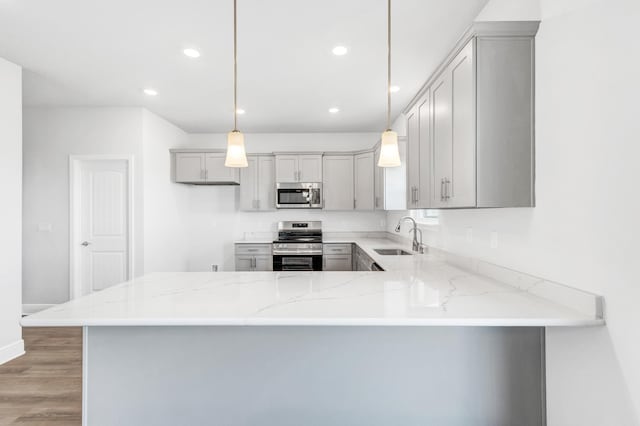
pixel 235 66
pixel 388 64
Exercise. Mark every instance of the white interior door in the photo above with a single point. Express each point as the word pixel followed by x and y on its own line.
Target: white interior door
pixel 102 240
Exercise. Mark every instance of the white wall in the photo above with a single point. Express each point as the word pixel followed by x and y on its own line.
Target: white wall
pixel 165 203
pixel 583 231
pixel 272 142
pixel 11 344
pixel 51 135
pixel 177 227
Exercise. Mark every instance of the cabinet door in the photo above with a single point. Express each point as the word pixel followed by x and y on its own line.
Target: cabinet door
pixel 248 184
pixel 266 183
pixel 378 182
pixel 216 171
pixel 189 167
pixel 244 263
pixel 335 262
pixel 263 263
pixel 442 138
pixel 423 193
pixel 363 166
pixel 461 190
pixel 337 186
pixel 310 168
pixel 286 168
pixel 413 158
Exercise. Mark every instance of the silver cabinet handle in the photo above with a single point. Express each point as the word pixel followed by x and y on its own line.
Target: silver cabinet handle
pixel 417 195
pixel 258 204
pixel 85 243
pixel 442 189
pixel 447 192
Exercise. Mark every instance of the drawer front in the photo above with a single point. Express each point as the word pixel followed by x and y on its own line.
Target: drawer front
pixel 253 249
pixel 337 262
pixel 336 249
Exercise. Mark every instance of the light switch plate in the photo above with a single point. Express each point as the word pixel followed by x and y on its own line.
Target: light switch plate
pixel 494 240
pixel 45 227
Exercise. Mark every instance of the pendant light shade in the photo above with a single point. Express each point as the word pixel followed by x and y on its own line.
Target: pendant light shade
pixel 236 155
pixel 389 153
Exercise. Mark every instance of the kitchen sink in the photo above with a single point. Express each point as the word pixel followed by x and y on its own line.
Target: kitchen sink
pixel 392 252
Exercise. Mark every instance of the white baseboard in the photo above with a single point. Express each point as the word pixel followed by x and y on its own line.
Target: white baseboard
pixel 11 351
pixel 32 308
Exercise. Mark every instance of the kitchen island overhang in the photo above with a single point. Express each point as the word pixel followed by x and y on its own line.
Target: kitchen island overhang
pixel 429 345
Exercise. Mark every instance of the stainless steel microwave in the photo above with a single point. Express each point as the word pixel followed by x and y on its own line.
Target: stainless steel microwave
pixel 299 195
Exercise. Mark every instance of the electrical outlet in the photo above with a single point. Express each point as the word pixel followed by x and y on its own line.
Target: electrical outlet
pixel 469 235
pixel 494 240
pixel 45 227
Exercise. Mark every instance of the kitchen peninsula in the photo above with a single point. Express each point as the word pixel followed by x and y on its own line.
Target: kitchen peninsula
pixel 410 345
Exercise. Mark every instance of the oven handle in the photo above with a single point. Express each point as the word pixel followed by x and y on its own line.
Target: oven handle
pixel 298 253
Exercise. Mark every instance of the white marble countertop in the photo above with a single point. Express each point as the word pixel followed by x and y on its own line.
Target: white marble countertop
pixel 418 290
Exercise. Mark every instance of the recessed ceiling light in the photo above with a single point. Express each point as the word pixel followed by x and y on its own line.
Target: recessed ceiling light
pixel 191 52
pixel 240 111
pixel 340 50
pixel 394 89
pixel 150 92
pixel 334 110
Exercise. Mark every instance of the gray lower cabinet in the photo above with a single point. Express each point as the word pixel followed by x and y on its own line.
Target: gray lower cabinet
pixel 361 260
pixel 337 257
pixel 337 262
pixel 253 257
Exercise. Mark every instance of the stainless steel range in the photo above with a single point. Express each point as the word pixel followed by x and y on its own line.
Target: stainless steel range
pixel 298 247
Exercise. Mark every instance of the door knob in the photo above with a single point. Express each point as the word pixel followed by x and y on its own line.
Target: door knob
pixel 85 243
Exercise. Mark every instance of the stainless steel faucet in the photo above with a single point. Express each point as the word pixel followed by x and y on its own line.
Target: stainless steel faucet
pixel 417 246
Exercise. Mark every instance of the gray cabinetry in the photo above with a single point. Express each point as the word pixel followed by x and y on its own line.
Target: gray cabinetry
pixel 203 168
pixel 364 181
pixel 419 152
pixel 361 260
pixel 470 129
pixel 257 183
pixel 253 257
pixel 298 168
pixel 338 184
pixel 337 257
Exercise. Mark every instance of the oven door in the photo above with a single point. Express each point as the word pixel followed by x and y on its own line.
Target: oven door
pixel 297 262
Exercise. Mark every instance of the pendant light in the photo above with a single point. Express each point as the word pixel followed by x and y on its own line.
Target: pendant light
pixel 389 154
pixel 236 154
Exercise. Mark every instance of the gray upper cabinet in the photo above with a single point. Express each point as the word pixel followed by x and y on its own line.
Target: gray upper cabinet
pixel 364 181
pixel 391 182
pixel 203 168
pixel 257 183
pixel 338 184
pixel 454 165
pixel 298 168
pixel 413 157
pixel 419 154
pixel 189 167
pixel 470 129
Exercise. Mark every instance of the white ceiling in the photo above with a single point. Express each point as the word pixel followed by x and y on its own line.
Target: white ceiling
pixel 102 53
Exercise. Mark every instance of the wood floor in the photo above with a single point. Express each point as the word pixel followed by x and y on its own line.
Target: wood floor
pixel 44 386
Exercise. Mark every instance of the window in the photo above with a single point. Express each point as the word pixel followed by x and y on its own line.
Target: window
pixel 426 216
